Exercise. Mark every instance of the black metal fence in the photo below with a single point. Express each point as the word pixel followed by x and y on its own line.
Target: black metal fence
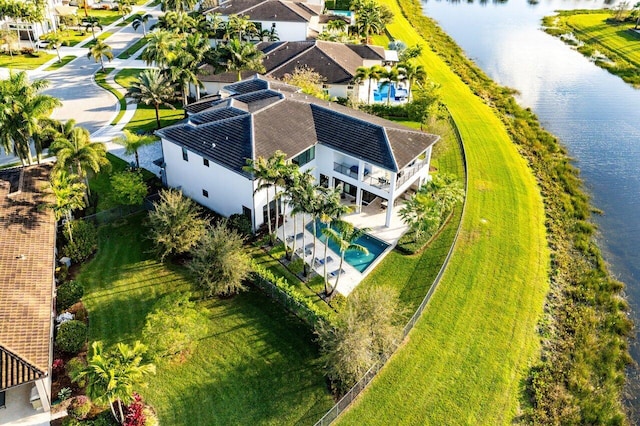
pixel 353 393
pixel 111 215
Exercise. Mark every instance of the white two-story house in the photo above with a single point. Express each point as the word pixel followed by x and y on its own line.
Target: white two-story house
pixel 368 156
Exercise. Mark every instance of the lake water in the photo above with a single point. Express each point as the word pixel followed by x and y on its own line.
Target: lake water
pixel 595 114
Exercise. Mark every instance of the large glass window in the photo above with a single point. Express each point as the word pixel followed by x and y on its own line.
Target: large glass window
pixel 305 157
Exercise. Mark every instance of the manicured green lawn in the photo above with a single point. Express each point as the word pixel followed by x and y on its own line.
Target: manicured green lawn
pixel 465 360
pixel 256 365
pixel 106 17
pixel 144 119
pixel 100 80
pixel 24 62
pixel 131 50
pixel 58 65
pixel 615 40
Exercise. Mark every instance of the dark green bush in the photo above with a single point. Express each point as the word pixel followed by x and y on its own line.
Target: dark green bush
pixel 84 241
pixel 240 223
pixel 71 336
pixel 68 294
pixel 296 266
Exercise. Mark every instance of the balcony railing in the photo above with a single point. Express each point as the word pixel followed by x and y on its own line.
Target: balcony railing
pixel 408 172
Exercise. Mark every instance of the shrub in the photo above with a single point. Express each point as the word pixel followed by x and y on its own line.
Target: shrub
pixel 71 336
pixel 85 241
pixel 296 266
pixel 220 262
pixel 62 272
pixel 134 412
pixel 67 294
pixel 64 394
pixel 80 407
pixel 74 366
pixel 150 417
pixel 241 223
pixel 175 224
pixel 129 188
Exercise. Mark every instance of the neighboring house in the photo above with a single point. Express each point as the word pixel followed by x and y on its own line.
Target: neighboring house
pixel 33 30
pixel 369 156
pixel 28 235
pixel 335 62
pixel 291 20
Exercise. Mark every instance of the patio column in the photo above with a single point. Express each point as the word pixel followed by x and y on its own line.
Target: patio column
pixel 392 195
pixel 358 200
pixel 44 394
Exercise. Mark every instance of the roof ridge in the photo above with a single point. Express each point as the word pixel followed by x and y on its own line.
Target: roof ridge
pixel 335 61
pixel 250 7
pixel 288 5
pixel 292 58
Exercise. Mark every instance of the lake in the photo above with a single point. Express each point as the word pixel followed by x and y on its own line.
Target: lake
pixel 595 114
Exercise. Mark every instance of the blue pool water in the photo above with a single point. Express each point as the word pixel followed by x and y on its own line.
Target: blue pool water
pixel 358 260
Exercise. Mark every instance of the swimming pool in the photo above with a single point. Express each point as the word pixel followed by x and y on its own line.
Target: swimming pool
pixel 358 260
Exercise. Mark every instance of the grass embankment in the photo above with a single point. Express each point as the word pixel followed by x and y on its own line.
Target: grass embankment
pixel 144 119
pixel 494 286
pixel 58 65
pixel 466 359
pixel 599 32
pixel 24 61
pixel 256 365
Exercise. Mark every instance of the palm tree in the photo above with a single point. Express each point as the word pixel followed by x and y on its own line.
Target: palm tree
pixel 21 111
pixel 9 38
pixel 636 10
pixel 238 56
pixel 152 88
pixel 369 73
pixel 99 51
pixel 161 48
pixel 240 27
pixel 413 74
pixel 124 7
pixel 344 236
pixel 69 196
pixel 111 376
pixel 132 143
pixel 76 153
pixel 331 209
pixel 337 25
pixel 369 18
pixel 55 40
pixel 389 77
pixel 91 22
pixel 45 132
pixel 297 191
pixel 178 5
pixel 261 171
pixel 183 70
pixel 141 21
pixel 177 22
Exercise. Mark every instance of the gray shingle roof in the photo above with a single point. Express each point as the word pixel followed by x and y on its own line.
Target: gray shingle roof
pixel 268 10
pixel 266 121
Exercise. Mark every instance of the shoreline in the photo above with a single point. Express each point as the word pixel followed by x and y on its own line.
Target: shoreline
pixel 576 373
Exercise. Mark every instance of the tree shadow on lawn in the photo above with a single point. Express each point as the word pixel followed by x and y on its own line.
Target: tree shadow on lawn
pixel 258 366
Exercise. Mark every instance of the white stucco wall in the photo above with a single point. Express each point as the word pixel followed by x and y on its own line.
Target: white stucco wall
pixel 228 191
pixel 287 31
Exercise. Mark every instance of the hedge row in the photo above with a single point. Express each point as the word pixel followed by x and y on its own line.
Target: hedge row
pixel 585 331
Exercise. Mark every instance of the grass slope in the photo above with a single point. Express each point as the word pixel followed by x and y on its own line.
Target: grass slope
pixel 24 61
pixel 465 361
pixel 598 32
pixel 255 366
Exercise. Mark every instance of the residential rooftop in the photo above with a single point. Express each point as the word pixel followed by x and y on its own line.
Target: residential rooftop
pixel 28 233
pixel 251 124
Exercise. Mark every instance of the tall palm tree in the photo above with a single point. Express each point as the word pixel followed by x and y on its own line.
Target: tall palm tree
pixel 141 21
pixel 69 196
pixel 369 73
pixel 99 51
pixel 124 7
pixel 413 74
pixel 183 70
pixel 369 18
pixel 178 5
pixel 76 153
pixel 390 77
pixel 21 111
pixel 240 27
pixel 297 191
pixel 111 376
pixel 177 22
pixel 238 56
pixel 55 40
pixel 331 209
pixel 132 143
pixel 161 48
pixel 91 23
pixel 152 88
pixel 45 132
pixel 261 170
pixel 344 236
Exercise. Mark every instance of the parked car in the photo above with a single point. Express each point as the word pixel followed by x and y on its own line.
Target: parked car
pixel 42 44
